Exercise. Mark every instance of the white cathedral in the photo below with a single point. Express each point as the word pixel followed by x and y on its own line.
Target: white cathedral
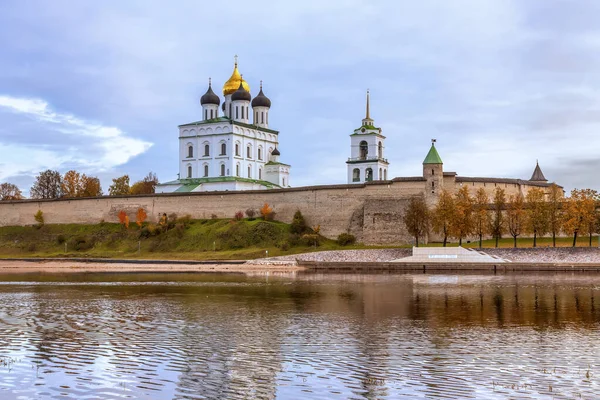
pixel 235 151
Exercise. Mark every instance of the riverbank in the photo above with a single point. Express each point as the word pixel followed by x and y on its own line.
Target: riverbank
pixel 67 266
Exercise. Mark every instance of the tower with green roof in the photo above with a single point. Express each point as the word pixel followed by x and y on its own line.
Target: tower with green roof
pixel 433 173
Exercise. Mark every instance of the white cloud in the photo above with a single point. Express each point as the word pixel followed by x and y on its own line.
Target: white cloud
pixel 87 145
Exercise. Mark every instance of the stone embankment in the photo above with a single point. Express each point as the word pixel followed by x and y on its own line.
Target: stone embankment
pixel 529 255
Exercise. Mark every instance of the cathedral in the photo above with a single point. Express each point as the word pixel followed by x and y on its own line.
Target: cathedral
pixel 232 147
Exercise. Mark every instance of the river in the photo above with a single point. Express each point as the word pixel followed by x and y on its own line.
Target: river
pixel 299 336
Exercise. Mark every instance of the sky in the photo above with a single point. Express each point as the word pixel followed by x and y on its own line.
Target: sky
pixel 101 87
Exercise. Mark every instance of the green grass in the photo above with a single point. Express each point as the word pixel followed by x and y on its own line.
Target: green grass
pixel 211 239
pixel 525 242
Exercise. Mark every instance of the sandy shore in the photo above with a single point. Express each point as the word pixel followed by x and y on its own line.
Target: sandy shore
pixel 20 267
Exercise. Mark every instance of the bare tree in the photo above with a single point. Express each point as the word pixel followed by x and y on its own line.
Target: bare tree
pixel 47 185
pixel 9 191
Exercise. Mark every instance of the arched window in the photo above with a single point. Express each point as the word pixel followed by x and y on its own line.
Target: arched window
pixel 380 174
pixel 249 151
pixel 223 149
pixel 364 150
pixel 222 169
pixel 260 173
pixel 230 113
pixel 190 151
pixel 262 117
pixel 380 149
pixel 237 149
pixel 237 170
pixel 211 114
pixel 237 112
pixel 249 172
pixel 369 175
pixel 205 170
pixel 189 171
pixel 260 153
pixel 205 114
pixel 432 171
pixel 385 174
pixel 206 150
pixel 283 182
pixel 356 175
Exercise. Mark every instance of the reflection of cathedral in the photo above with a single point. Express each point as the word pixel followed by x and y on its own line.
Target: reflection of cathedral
pixel 233 151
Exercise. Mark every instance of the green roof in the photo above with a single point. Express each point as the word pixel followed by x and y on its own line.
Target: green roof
pixel 189 184
pixel 433 157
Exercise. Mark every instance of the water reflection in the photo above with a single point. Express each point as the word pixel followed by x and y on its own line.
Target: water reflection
pixel 300 335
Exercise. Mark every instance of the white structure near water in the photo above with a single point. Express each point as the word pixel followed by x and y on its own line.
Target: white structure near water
pixel 449 255
pixel 235 150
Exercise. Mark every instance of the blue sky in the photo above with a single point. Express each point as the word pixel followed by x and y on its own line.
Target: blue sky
pixel 101 86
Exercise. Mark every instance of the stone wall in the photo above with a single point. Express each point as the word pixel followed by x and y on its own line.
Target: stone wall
pixel 372 212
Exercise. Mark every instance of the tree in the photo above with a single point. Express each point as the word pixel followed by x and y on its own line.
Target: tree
pixel 71 185
pixel 497 218
pixel 47 185
pixel 480 214
pixel 416 218
pixel 298 225
pixel 579 212
pixel 9 191
pixel 120 186
pixel 536 213
pixel 90 186
pixel 555 199
pixel 140 217
pixel 516 216
pixel 266 212
pixel 39 217
pixel 443 215
pixel 146 185
pixel 463 223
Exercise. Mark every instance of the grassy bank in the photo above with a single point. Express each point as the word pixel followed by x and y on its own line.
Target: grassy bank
pixel 211 239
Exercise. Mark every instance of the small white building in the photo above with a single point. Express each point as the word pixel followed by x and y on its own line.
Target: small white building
pixel 367 162
pixel 233 151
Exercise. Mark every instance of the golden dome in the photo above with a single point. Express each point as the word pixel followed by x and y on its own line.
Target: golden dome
pixel 234 82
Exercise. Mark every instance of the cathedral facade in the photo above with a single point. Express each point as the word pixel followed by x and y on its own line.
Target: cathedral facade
pixel 232 147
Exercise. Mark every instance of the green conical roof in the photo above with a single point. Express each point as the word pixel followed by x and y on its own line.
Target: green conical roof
pixel 433 157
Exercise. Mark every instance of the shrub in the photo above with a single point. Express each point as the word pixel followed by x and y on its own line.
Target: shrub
pixel 61 239
pixel 140 217
pixel 283 245
pixel 298 225
pixel 345 239
pixel 238 216
pixel 39 217
pixel 266 212
pixel 250 213
pixel 294 239
pixel 214 216
pixel 311 239
pixel 264 233
pixel 122 217
pixel 82 243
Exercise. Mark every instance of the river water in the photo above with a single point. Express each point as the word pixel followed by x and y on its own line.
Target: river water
pixel 299 336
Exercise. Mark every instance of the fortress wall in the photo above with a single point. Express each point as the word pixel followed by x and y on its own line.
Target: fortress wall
pixel 372 212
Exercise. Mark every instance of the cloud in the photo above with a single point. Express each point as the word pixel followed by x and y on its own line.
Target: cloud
pixel 75 143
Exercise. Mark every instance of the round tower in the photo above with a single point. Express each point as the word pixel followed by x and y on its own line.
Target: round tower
pixel 210 103
pixel 240 101
pixel 260 108
pixel 433 172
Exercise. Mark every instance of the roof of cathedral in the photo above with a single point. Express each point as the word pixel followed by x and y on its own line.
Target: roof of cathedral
pixel 220 120
pixel 233 83
pixel 261 100
pixel 241 94
pixel 433 157
pixel 210 97
pixel 538 175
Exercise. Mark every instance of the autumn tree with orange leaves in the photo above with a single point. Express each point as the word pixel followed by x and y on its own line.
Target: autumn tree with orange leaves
pixel 140 217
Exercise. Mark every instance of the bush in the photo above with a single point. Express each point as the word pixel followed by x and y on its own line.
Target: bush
pixel 250 213
pixel 283 245
pixel 61 239
pixel 311 239
pixel 345 239
pixel 264 233
pixel 39 217
pixel 267 212
pixel 294 239
pixel 298 225
pixel 214 216
pixel 238 216
pixel 80 243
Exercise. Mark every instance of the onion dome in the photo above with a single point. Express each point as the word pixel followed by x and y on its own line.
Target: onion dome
pixel 276 152
pixel 234 82
pixel 210 97
pixel 261 100
pixel 241 94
